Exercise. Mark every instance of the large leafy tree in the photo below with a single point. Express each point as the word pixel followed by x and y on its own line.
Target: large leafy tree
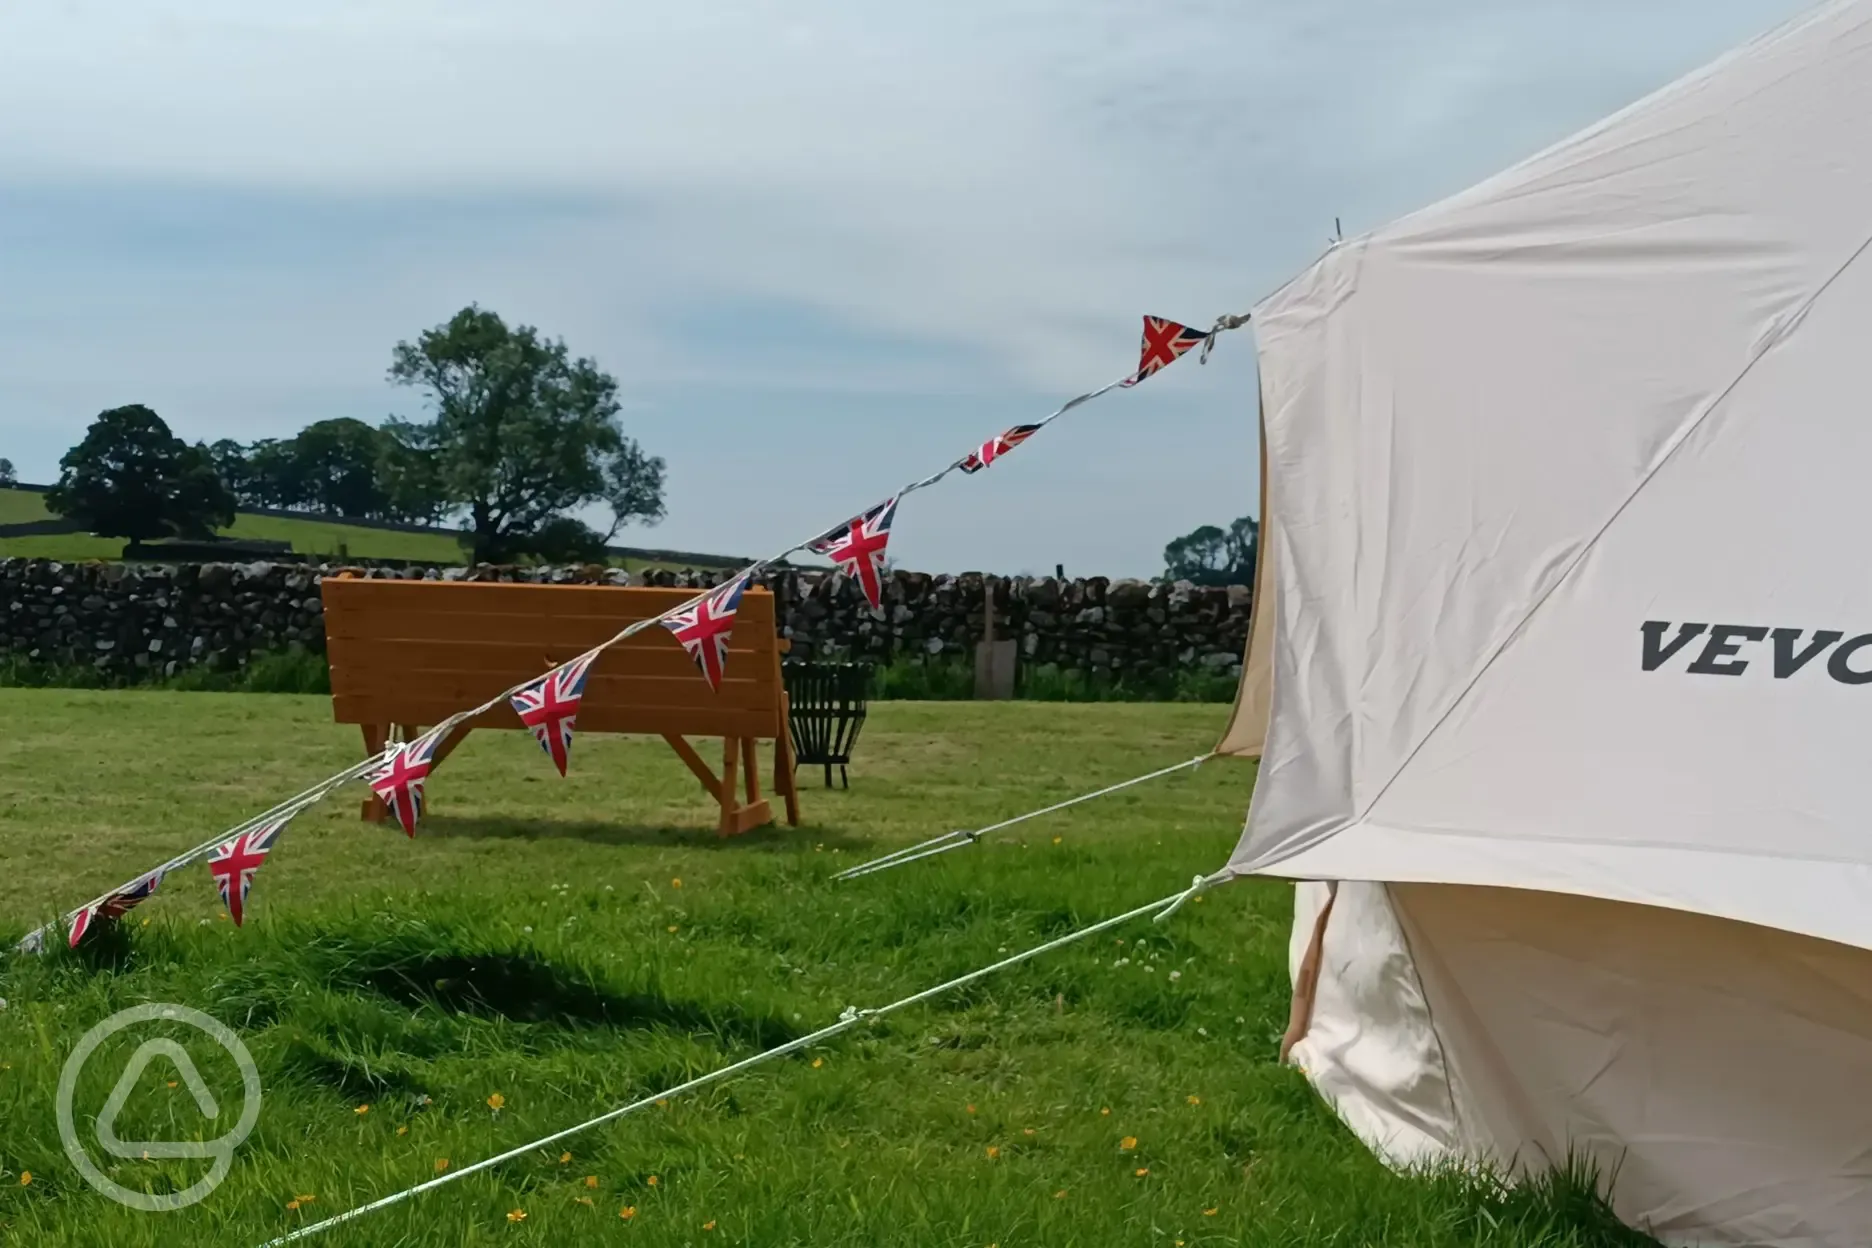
pixel 7 475
pixel 522 433
pixel 1215 556
pixel 132 478
pixel 336 464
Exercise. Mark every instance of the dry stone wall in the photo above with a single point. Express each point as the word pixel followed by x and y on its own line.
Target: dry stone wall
pixel 148 620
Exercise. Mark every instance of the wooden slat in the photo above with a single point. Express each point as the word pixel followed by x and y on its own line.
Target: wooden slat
pixel 357 601
pixel 523 659
pixel 465 689
pixel 571 633
pixel 649 721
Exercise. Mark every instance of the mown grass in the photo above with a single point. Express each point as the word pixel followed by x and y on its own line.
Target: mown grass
pixel 309 536
pixel 570 945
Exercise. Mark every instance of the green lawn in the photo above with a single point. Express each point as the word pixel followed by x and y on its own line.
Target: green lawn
pixel 568 946
pixel 308 537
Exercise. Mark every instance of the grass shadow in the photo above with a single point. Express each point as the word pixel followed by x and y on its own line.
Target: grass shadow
pixel 774 838
pixel 520 987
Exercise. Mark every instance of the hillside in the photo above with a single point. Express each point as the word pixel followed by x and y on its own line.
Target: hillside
pixel 309 535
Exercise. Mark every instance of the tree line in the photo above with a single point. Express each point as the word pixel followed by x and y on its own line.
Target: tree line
pixel 1215 556
pixel 518 436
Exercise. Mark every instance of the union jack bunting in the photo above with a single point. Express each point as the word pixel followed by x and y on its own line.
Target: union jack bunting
pixel 1165 342
pixel 704 628
pixel 549 706
pixel 399 782
pixel 114 906
pixel 995 448
pixel 235 863
pixel 857 546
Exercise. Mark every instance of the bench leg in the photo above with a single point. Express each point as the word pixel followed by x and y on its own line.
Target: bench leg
pixel 786 766
pixel 785 778
pixel 750 770
pixel 375 735
pixel 731 758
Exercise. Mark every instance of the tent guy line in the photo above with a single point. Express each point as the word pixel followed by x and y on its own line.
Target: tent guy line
pixel 847 1020
pixel 954 840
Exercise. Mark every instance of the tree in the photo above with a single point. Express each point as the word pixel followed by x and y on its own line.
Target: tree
pixel 132 478
pixel 335 467
pixel 273 475
pixel 235 469
pixel 410 481
pixel 7 475
pixel 1213 556
pixel 522 433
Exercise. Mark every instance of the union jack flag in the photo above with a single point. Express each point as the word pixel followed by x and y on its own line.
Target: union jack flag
pixel 1165 342
pixel 857 546
pixel 994 448
pixel 235 863
pixel 399 782
pixel 114 906
pixel 704 628
pixel 549 706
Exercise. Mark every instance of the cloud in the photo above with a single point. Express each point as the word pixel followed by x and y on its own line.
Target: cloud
pixel 241 206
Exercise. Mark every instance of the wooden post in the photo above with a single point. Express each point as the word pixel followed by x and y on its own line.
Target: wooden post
pixel 731 758
pixel 375 737
pixel 994 660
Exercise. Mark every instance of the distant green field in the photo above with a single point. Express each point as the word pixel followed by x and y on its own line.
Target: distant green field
pixel 308 537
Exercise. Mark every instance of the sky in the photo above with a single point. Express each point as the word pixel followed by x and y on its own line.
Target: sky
pixel 825 246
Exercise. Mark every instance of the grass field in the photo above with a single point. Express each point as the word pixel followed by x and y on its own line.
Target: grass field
pixel 556 948
pixel 308 537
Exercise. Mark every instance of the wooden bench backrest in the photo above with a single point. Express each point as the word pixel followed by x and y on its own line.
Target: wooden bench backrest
pixel 415 652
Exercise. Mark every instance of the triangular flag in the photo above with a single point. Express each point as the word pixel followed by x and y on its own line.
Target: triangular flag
pixel 549 706
pixel 112 907
pixel 234 864
pixel 995 448
pixel 399 782
pixel 857 546
pixel 703 629
pixel 1165 342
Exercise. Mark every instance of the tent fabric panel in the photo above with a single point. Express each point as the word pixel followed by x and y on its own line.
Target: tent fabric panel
pixel 1248 720
pixel 1713 1065
pixel 1461 406
pixel 1370 1050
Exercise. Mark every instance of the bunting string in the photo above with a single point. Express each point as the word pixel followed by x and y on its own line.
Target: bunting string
pixel 955 840
pixel 847 1020
pixel 702 624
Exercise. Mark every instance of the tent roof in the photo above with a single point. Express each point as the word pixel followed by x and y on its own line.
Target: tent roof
pixel 1522 441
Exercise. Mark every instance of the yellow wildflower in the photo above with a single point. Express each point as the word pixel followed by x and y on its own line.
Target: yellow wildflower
pixel 496 1101
pixel 516 1215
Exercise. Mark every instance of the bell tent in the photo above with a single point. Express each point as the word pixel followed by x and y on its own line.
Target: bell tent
pixel 1561 675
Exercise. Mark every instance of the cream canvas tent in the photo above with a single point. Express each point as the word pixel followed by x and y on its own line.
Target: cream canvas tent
pixel 1561 672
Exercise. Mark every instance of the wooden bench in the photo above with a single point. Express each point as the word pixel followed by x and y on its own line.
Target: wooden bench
pixel 412 653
